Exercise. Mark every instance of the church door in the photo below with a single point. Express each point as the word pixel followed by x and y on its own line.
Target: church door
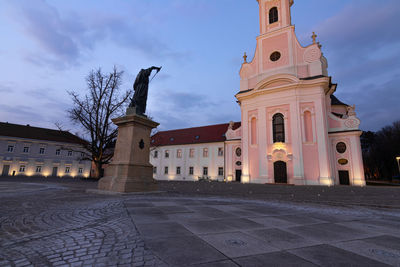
pixel 280 172
pixel 238 175
pixel 344 177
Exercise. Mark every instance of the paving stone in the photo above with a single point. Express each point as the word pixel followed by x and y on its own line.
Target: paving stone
pixel 237 244
pixel 157 230
pixel 326 255
pixel 280 258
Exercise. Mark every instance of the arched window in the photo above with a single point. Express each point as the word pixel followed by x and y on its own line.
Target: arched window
pixel 308 126
pixel 273 15
pixel 278 124
pixel 253 131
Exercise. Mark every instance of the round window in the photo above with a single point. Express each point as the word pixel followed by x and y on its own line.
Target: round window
pixel 238 163
pixel 341 147
pixel 275 56
pixel 343 161
pixel 238 152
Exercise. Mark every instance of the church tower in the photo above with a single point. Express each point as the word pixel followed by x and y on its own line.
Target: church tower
pixel 285 99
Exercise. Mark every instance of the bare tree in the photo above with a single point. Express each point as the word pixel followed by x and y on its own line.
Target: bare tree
pixel 94 111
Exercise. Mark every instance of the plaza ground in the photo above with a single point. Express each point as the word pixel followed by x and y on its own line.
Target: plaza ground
pixel 64 222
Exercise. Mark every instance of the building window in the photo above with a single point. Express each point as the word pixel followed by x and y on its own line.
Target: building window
pixel 341 147
pixel 166 154
pixel 191 153
pixel 41 150
pixel 178 170
pixel 38 169
pixel 70 153
pixel 220 171
pixel 273 15
pixel 82 154
pixel 220 151
pixel 154 170
pixel 205 152
pixel 58 152
pixel 179 153
pixel 278 124
pixel 166 170
pixel 10 149
pixel 22 168
pixel 67 169
pixel 26 149
pixel 205 171
pixel 155 154
pixel 253 131
pixel 80 170
pixel 238 152
pixel 191 170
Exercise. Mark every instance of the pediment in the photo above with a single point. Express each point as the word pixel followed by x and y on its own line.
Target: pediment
pixel 277 81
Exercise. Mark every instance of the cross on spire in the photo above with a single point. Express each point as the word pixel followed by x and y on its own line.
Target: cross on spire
pixel 245 57
pixel 314 38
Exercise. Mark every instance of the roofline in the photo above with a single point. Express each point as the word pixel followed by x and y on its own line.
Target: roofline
pixel 185 144
pixel 181 129
pixel 40 140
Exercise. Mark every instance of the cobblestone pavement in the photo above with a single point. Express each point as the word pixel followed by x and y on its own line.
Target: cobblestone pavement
pixel 59 224
pixel 48 225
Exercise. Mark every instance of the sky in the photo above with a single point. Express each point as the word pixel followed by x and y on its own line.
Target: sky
pixel 48 47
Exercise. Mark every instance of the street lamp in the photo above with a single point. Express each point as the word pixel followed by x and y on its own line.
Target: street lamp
pixel 398 162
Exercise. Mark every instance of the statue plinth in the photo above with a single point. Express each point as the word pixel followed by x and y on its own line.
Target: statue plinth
pixel 130 170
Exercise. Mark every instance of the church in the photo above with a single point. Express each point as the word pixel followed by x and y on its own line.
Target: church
pixel 293 129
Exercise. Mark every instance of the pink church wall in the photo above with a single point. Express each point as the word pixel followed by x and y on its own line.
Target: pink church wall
pixel 253 147
pixel 311 164
pixel 276 43
pixel 308 129
pixel 334 123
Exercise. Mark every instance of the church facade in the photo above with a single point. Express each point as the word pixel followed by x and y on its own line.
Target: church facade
pixel 293 129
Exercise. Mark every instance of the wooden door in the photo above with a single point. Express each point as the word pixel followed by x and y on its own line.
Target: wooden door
pixel 280 172
pixel 344 177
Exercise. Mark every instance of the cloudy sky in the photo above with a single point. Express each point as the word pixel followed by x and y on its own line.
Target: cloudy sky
pixel 48 47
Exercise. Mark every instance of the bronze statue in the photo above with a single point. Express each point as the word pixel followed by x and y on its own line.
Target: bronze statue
pixel 141 87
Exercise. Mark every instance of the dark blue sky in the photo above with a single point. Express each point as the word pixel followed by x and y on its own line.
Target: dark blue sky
pixel 48 47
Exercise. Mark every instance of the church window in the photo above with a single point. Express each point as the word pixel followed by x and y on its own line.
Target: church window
pixel 275 56
pixel 308 126
pixel 238 152
pixel 273 15
pixel 253 131
pixel 341 147
pixel 278 124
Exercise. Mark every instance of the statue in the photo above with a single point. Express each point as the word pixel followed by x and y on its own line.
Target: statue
pixel 141 87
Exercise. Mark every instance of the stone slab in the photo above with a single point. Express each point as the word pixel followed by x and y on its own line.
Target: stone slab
pixel 174 209
pixel 282 239
pixel 209 226
pixel 272 222
pixel 159 230
pixel 274 259
pixel 240 223
pixel 184 250
pixel 326 255
pixel 211 212
pixel 227 263
pixel 237 244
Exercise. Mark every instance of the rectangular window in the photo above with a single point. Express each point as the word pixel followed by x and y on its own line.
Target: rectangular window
pixel 58 152
pixel 80 170
pixel 38 169
pixel 191 153
pixel 166 154
pixel 178 170
pixel 191 170
pixel 220 171
pixel 205 152
pixel 220 151
pixel 155 154
pixel 70 153
pixel 10 149
pixel 41 150
pixel 26 149
pixel 22 168
pixel 82 154
pixel 155 170
pixel 165 170
pixel 179 153
pixel 205 171
pixel 67 169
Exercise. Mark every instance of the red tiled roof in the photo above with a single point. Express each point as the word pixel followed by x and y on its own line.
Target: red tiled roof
pixel 196 135
pixel 29 132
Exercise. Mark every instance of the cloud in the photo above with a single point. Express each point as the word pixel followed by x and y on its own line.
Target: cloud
pixel 65 38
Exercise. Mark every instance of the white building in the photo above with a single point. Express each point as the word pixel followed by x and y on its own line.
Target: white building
pixel 33 151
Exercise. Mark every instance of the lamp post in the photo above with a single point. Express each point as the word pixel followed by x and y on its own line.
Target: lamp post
pixel 398 162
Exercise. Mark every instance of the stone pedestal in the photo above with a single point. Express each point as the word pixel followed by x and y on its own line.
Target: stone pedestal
pixel 130 170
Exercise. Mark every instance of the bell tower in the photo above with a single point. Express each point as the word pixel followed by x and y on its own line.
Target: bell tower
pixel 274 15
